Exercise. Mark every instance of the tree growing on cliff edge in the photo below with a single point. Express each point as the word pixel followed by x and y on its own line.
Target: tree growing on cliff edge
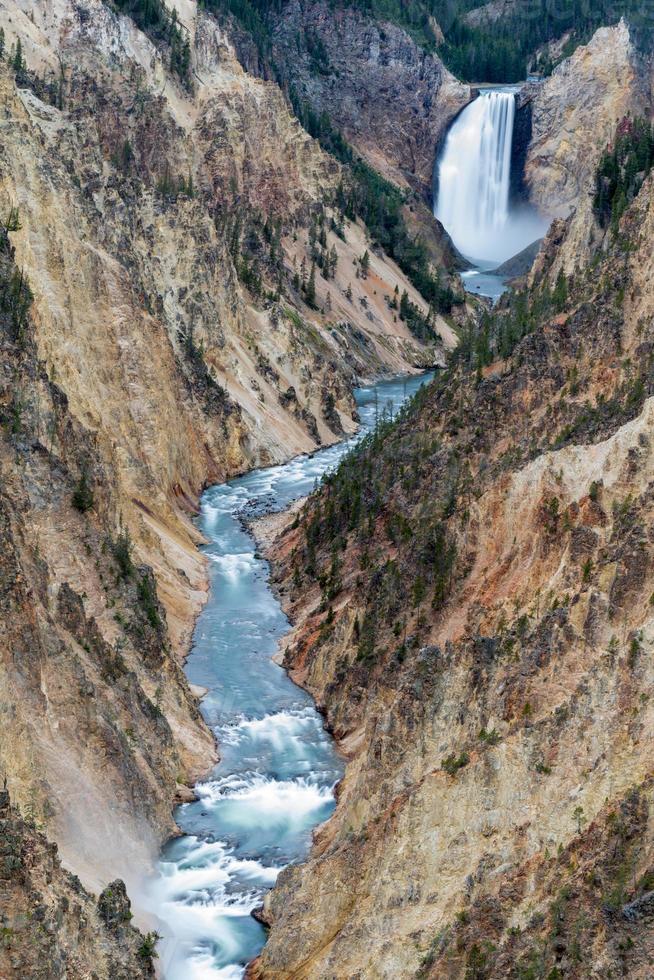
pixel 83 494
pixel 310 290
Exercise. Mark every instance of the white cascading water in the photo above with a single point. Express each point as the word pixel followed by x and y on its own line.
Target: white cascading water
pixel 474 183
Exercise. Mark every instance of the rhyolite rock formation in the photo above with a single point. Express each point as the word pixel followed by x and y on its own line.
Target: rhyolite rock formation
pixel 574 116
pixel 51 928
pixel 143 357
pixel 390 98
pixel 154 226
pixel 483 656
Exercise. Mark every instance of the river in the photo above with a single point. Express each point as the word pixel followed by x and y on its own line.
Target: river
pixel 278 768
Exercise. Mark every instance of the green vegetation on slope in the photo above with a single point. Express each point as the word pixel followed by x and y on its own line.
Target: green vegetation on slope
pixel 622 170
pixel 502 50
pixel 378 203
pixel 365 194
pixel 371 510
pixel 160 24
pixel 15 293
pixel 491 51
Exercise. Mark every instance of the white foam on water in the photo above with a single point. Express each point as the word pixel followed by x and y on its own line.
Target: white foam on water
pixel 202 967
pixel 193 901
pixel 235 566
pixel 204 893
pixel 204 874
pixel 283 729
pixel 262 800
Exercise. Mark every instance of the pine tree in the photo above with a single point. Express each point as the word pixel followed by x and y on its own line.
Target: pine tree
pixel 333 261
pixel 560 295
pixel 18 63
pixel 83 495
pixel 311 287
pixel 365 264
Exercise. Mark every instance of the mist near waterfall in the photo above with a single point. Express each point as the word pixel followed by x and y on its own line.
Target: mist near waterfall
pixel 474 182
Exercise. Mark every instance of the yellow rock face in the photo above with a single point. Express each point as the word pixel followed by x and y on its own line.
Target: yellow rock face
pixel 130 282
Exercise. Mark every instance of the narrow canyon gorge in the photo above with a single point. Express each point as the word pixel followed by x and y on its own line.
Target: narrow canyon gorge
pixel 326 489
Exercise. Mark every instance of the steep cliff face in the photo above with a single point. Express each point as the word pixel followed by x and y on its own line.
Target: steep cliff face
pixel 51 927
pixel 575 113
pixel 161 344
pixel 390 98
pixel 474 615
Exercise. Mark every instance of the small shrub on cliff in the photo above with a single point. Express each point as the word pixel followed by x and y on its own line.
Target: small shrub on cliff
pixel 147 949
pixel 83 494
pixel 594 491
pixel 148 597
pixel 122 552
pixel 453 763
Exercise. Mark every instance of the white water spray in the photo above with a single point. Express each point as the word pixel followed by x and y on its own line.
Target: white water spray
pixel 474 183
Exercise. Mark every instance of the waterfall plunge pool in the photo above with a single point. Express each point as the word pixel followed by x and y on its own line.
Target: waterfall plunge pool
pixel 278 768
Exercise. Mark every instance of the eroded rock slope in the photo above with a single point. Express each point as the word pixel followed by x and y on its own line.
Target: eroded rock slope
pixel 472 599
pixel 160 210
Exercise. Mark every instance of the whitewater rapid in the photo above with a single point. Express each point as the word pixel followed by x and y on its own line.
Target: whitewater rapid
pixel 278 769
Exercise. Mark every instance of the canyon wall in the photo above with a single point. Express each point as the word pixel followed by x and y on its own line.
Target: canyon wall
pixel 575 114
pixel 51 927
pixel 389 98
pixel 144 357
pixel 481 646
pixel 158 227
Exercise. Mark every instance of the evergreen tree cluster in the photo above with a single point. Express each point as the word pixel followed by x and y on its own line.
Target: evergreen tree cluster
pixel 254 243
pixel 48 89
pixel 497 51
pixel 622 170
pixel 374 506
pixel 254 16
pixel 420 324
pixel 502 50
pixel 322 255
pixel 365 194
pixel 160 24
pixel 500 331
pixel 15 293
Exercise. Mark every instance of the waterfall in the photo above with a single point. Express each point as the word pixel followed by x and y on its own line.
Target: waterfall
pixel 474 179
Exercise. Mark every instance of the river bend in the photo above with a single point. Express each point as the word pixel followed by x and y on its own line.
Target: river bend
pixel 278 768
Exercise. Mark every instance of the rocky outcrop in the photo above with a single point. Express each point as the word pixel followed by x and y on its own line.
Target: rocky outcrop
pixel 390 99
pixel 490 13
pixel 481 649
pixel 51 928
pixel 575 113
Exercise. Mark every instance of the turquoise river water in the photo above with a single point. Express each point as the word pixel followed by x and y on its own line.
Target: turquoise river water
pixel 278 768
